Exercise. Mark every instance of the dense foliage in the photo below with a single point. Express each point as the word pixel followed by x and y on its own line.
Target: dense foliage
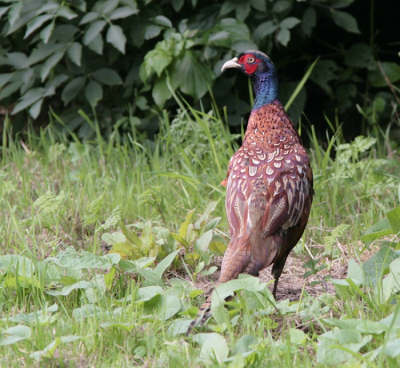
pixel 122 60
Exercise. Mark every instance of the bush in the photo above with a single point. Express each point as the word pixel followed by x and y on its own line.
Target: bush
pixel 121 61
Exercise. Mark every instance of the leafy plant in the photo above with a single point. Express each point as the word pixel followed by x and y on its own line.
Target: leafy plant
pixel 200 241
pixel 120 62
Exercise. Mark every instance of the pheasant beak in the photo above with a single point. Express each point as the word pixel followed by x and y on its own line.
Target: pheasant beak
pixel 231 64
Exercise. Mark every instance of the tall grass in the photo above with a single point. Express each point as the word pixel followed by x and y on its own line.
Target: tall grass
pixel 55 194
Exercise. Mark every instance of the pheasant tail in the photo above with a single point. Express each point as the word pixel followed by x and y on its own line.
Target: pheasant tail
pixel 203 314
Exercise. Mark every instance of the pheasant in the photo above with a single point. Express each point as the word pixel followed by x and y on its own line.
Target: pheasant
pixel 269 183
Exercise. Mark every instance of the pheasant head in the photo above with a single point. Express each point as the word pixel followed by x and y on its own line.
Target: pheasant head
pixel 262 72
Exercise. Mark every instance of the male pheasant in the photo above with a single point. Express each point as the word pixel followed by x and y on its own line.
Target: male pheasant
pixel 269 183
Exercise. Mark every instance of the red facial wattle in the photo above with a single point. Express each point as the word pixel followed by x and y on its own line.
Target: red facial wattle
pixel 249 67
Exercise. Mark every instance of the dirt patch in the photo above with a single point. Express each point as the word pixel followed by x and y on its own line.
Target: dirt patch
pixel 292 282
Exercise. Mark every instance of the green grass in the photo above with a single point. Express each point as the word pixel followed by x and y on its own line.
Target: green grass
pixel 61 202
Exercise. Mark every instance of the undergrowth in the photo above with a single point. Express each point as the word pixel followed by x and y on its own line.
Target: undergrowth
pixel 104 244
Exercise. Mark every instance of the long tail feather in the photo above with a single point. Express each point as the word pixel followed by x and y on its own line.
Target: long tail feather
pixel 203 314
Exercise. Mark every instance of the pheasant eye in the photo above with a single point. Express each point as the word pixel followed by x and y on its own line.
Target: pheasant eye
pixel 251 60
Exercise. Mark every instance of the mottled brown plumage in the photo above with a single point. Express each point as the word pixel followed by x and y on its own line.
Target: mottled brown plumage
pixel 269 184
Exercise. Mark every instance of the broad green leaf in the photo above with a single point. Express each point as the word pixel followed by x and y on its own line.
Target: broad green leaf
pixel 376 265
pixel 130 235
pixel 283 36
pixel 361 325
pixel 10 89
pixel 93 93
pixel 116 37
pixel 35 109
pixel 212 224
pixel 74 52
pixel 16 59
pixel 42 52
pixel 89 17
pixel 355 271
pixel 107 76
pixel 3 10
pixel 350 323
pixel 345 21
pixel 46 32
pixel 97 44
pixel 109 278
pixel 34 24
pixel 162 307
pixel 180 240
pixel 204 240
pixel 72 259
pixel 366 326
pixel 219 36
pixel 41 317
pixel 178 327
pixel 14 263
pixel 69 338
pixel 161 92
pixel 195 293
pixel 243 11
pixel 28 101
pixel 360 56
pixel 217 247
pixel 377 230
pixel 259 5
pixel 265 29
pixel 66 290
pixel 164 264
pixel 281 6
pixel 245 344
pixel 237 31
pixel 49 64
pixel 329 351
pixel 88 310
pixel 289 22
pixel 4 78
pixel 152 31
pixel 392 319
pixel 113 238
pixel 163 21
pixel 391 284
pixel 14 334
pixel 224 290
pixel 123 12
pixel 297 337
pixel 72 89
pixel 66 13
pixel 394 219
pixel 210 271
pixel 106 7
pixel 392 348
pixel 14 12
pixel 184 227
pixel 157 60
pixel 125 250
pixel 93 31
pixel 177 4
pixel 148 292
pixel 213 346
pixel 48 351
